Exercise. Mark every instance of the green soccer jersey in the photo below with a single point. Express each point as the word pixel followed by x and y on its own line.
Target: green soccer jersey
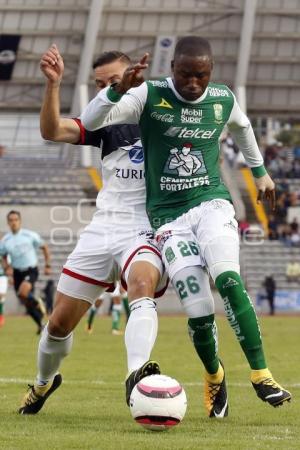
pixel 181 146
pixel 180 141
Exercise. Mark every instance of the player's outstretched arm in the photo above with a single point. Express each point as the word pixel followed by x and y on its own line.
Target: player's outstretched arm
pixel 110 107
pixel 242 131
pixel 53 127
pixel 133 76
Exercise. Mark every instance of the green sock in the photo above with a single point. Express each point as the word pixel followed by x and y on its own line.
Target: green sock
pixel 126 306
pixel 92 313
pixel 203 333
pixel 116 317
pixel 242 317
pixel 1 308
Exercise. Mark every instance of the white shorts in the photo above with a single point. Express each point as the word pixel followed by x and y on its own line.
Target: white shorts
pixel 184 241
pixel 3 284
pixel 105 251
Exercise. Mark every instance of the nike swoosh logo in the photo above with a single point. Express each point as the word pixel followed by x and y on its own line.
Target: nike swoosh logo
pixel 221 414
pixel 275 395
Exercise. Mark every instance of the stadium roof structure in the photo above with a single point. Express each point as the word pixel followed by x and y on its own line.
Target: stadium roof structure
pixel 261 54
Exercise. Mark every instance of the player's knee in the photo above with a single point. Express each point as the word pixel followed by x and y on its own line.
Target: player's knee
pixel 59 327
pixel 142 284
pixel 221 267
pixel 222 255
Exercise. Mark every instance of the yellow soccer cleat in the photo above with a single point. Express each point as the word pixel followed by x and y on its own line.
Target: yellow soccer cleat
pixel 36 396
pixel 268 390
pixel 215 398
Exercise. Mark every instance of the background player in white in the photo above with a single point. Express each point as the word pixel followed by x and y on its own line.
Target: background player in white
pixel 119 235
pixel 116 300
pixel 196 207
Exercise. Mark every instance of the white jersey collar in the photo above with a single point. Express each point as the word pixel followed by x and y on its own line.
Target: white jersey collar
pixel 193 102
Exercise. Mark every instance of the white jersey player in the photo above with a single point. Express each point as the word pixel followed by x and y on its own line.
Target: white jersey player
pixel 119 236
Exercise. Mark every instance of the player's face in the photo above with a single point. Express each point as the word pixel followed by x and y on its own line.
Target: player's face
pixel 14 222
pixel 109 73
pixel 191 75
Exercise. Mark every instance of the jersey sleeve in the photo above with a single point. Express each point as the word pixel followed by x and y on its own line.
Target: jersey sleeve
pixel 111 108
pixel 87 137
pixel 36 239
pixel 240 127
pixel 2 249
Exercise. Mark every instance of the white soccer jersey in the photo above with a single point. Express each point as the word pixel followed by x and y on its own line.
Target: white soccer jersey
pixel 122 171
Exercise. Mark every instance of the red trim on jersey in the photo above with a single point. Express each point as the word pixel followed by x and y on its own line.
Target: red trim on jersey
pixel 128 261
pixel 87 279
pixel 82 131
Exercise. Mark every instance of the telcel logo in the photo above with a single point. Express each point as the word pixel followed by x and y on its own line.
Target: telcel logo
pixel 198 133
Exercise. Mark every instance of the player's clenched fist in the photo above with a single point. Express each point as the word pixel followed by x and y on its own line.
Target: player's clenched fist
pixel 52 65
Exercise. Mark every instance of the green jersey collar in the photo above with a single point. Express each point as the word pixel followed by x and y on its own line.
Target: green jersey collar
pixel 192 102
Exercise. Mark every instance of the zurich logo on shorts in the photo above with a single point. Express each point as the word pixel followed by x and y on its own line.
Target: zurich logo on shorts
pixel 136 153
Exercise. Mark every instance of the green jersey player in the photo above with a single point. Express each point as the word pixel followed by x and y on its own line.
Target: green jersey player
pixel 181 119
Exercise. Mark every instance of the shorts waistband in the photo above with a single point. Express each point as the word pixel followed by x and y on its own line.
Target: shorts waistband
pixel 26 270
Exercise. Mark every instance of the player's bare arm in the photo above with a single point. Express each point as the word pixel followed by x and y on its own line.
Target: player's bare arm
pixel 46 252
pixel 53 127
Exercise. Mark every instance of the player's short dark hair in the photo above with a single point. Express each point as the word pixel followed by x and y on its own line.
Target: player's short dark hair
pixel 109 57
pixel 193 46
pixel 13 211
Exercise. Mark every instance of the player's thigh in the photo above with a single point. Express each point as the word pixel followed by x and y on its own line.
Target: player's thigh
pixel 218 238
pixel 89 267
pixel 179 249
pixel 66 314
pixel 143 273
pixel 24 289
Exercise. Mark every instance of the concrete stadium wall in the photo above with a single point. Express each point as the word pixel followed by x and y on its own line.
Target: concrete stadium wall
pixel 48 220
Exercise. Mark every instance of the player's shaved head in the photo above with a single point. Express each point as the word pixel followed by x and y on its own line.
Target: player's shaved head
pixel 193 46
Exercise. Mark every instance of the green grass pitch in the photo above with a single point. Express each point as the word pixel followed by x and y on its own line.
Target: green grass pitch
pixel 88 411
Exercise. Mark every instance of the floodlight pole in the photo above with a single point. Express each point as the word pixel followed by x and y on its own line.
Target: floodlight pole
pixel 80 95
pixel 244 53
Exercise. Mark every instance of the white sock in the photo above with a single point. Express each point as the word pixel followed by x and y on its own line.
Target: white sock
pixel 141 332
pixel 52 350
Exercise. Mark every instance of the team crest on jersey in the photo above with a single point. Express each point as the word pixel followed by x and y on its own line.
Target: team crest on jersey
pixel 185 161
pixel 170 255
pixel 218 111
pixel 164 104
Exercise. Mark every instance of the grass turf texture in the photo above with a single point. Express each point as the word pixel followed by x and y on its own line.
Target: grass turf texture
pixel 88 411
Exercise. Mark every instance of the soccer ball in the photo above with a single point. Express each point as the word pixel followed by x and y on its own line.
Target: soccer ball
pixel 158 402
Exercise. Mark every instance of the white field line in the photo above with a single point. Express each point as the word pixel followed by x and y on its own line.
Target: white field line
pixel 4 380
